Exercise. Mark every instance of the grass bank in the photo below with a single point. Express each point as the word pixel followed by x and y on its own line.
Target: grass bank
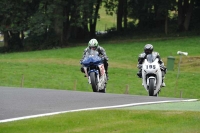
pixel 108 121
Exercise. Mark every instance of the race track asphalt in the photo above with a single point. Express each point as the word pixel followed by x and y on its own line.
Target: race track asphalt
pixel 24 103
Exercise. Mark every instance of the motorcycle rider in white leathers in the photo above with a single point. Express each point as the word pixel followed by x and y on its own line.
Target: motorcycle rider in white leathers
pixel 148 49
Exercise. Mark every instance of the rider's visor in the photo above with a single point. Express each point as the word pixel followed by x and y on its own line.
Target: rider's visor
pixel 147 51
pixel 93 47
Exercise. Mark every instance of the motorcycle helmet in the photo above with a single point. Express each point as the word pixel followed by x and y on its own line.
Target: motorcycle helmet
pixel 148 49
pixel 93 43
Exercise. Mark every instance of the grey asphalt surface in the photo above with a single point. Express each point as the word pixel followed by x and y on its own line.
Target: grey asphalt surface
pixel 20 102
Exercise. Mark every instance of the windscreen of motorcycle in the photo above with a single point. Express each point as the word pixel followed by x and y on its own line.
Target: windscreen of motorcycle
pixel 151 58
pixel 92 52
pixel 92 58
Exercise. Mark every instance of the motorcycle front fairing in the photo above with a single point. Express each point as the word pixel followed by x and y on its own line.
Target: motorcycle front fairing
pixel 91 62
pixel 91 58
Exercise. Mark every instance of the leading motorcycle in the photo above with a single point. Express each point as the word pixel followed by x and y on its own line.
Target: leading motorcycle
pixel 95 71
pixel 151 75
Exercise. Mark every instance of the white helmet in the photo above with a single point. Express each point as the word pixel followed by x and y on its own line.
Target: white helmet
pixel 93 43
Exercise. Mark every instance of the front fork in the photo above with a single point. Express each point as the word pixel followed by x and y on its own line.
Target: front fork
pixel 151 77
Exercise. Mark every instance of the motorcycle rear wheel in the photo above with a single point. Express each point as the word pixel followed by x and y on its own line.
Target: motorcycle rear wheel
pixel 93 79
pixel 151 87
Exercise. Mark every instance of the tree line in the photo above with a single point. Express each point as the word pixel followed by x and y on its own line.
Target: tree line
pixel 50 23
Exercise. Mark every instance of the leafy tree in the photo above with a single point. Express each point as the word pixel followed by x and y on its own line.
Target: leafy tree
pixel 120 8
pixel 185 8
pixel 56 22
pixel 13 15
pixel 195 18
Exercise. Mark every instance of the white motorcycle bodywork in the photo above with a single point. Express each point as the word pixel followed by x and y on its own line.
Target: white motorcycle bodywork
pixel 151 75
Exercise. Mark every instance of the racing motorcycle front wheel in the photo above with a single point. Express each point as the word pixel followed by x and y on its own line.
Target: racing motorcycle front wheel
pixel 151 87
pixel 93 78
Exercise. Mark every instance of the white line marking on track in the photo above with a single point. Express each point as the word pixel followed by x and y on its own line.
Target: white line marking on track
pixel 95 108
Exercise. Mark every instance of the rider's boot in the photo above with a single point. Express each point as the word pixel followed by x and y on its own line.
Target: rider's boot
pixel 163 83
pixel 139 74
pixel 83 71
pixel 107 75
pixel 163 77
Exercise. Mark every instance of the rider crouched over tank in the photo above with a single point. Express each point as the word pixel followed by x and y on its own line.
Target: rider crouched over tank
pixel 93 44
pixel 148 49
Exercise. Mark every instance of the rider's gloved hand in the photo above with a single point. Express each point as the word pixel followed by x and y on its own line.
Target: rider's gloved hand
pixel 162 67
pixel 103 58
pixel 139 66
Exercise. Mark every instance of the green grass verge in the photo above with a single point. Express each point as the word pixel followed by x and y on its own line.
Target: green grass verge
pixel 179 106
pixel 109 121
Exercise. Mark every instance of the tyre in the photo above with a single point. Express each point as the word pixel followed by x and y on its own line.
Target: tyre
pixel 151 87
pixel 93 79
